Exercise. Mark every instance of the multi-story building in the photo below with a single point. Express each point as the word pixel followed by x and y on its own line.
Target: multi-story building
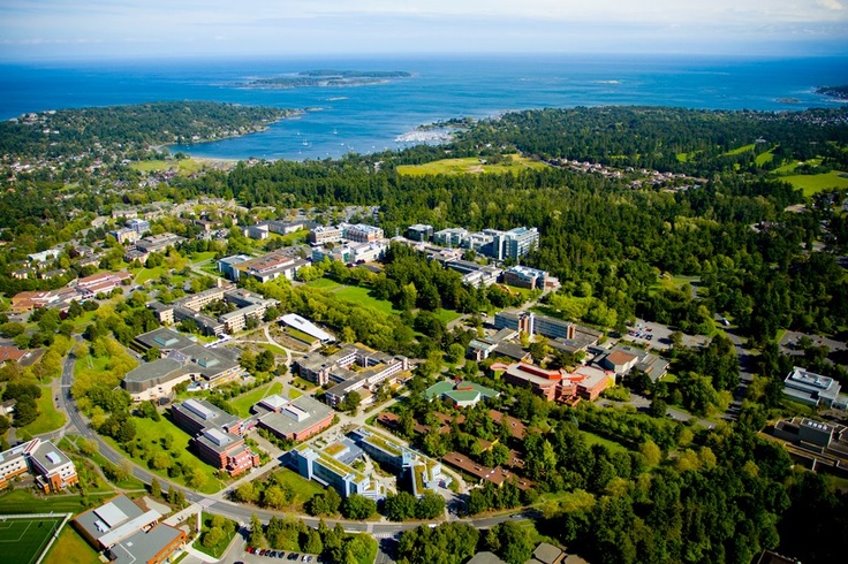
pixel 451 237
pixel 103 282
pixel 140 226
pixel 217 436
pixel 125 235
pixel 158 243
pixel 526 277
pixel 513 244
pixel 259 231
pixel 373 368
pixel 532 324
pixel 419 232
pixel 228 266
pixel 330 467
pixel 324 234
pixel 361 233
pixel 351 253
pixel 293 420
pixel 271 266
pixel 814 389
pixel 52 469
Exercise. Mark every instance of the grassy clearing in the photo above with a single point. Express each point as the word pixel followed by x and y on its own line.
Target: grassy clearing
pixel 471 165
pixel 71 548
pixel 25 501
pixel 447 315
pixel 243 402
pixel 276 349
pixel 593 439
pixel 149 432
pixel 739 150
pixel 202 256
pixel 303 489
pixel 353 294
pixel 685 157
pixel 147 274
pixel 813 183
pixel 49 418
pixel 764 157
pixel 23 540
pixel 184 167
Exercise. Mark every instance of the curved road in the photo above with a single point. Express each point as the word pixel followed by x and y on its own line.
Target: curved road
pixel 240 513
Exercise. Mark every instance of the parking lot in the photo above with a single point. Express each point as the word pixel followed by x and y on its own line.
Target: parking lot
pixel 657 335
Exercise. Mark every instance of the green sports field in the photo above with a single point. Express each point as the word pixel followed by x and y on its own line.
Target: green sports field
pixel 22 540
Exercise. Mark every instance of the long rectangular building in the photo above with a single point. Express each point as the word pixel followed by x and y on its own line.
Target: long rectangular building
pixel 52 469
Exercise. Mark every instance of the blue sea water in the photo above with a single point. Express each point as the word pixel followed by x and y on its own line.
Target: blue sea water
pixel 370 118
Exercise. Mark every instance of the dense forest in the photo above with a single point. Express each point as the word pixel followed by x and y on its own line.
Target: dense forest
pixel 122 129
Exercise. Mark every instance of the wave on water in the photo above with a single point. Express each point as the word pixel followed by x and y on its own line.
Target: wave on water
pixel 607 81
pixel 336 98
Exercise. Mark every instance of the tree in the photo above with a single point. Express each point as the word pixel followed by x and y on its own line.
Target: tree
pixel 516 545
pixel 651 452
pixel 312 542
pixel 155 488
pixel 265 361
pixel 248 360
pixel 257 536
pixel 351 402
pixel 430 506
pixel 455 353
pixel 324 503
pixel 359 507
pixel 399 507
pixel 151 354
pixel 213 537
pixel 246 493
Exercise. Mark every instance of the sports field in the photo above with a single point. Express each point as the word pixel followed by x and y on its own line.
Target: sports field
pixel 23 539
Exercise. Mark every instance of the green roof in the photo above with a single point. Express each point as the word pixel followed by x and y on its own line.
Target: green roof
pixel 468 391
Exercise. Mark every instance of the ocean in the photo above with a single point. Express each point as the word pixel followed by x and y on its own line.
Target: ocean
pixel 370 118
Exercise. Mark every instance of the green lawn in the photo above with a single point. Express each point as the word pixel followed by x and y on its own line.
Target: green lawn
pixel 739 150
pixel 685 157
pixel 303 489
pixel 49 418
pixel 276 349
pixel 146 274
pixel 216 550
pixel 593 439
pixel 764 157
pixel 471 165
pixel 243 402
pixel 814 183
pixel 202 256
pixel 184 167
pixel 149 432
pixel 447 315
pixel 353 294
pixel 23 540
pixel 71 548
pixel 25 501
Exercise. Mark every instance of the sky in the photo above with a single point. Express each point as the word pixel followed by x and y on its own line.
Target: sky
pixel 118 29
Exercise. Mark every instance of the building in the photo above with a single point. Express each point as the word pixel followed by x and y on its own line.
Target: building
pixel 373 368
pixel 475 274
pixel 451 237
pixel 351 253
pixel 459 393
pixel 265 268
pixel 823 446
pixel 513 244
pixel 814 389
pixel 259 231
pixel 526 277
pixel 140 226
pixel 331 467
pixel 590 382
pixel 129 534
pixel 545 383
pixel 101 283
pixel 417 471
pixel 227 266
pixel 419 232
pixel 52 469
pixel 44 256
pixel 619 360
pixel 125 235
pixel 183 361
pixel 158 243
pixel 249 306
pixel 324 234
pixel 293 420
pixel 531 323
pixel 361 233
pixel 585 382
pixel 304 325
pixel 217 436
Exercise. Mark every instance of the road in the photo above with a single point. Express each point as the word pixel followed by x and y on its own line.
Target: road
pixel 215 503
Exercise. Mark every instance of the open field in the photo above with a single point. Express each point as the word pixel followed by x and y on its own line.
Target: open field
pixel 814 183
pixel 25 501
pixel 70 548
pixel 22 540
pixel 739 150
pixel 447 315
pixel 303 489
pixel 243 402
pixel 353 294
pixel 49 418
pixel 184 167
pixel 145 274
pixel 471 165
pixel 593 439
pixel 764 157
pixel 149 432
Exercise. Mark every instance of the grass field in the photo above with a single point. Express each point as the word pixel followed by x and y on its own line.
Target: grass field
pixel 22 540
pixel 471 165
pixel 150 432
pixel 243 402
pixel 70 548
pixel 814 183
pixel 303 489
pixel 739 150
pixel 353 294
pixel 146 274
pixel 593 439
pixel 764 157
pixel 49 418
pixel 183 167
pixel 447 315
pixel 24 501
